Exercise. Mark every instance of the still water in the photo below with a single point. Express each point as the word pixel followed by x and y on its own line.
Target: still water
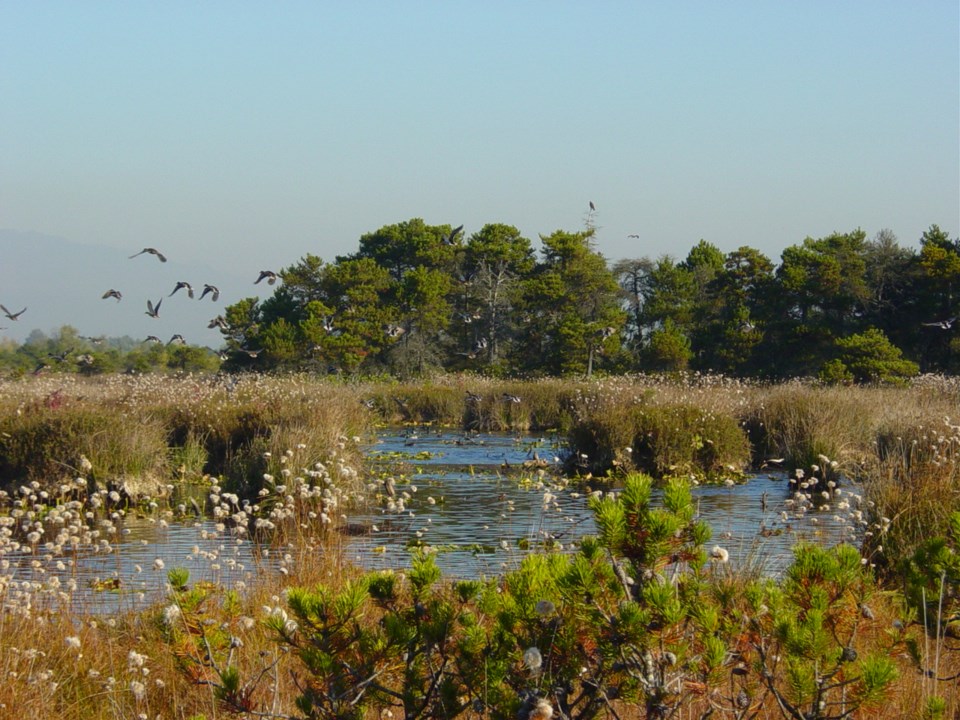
pixel 480 503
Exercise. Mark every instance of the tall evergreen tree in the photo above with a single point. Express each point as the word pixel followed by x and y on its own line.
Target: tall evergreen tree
pixel 571 307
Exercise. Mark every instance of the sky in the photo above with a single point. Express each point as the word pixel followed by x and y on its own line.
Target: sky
pixel 239 136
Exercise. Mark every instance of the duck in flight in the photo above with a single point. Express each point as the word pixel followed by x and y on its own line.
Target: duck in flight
pixel 182 284
pixel 152 251
pixel 112 293
pixel 207 289
pixel 269 275
pixel 12 315
pixel 942 324
pixel 154 310
pixel 219 322
pixel 449 239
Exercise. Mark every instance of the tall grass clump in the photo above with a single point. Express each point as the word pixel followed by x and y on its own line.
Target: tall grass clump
pixel 623 433
pixel 800 422
pixel 137 431
pixel 49 440
pixel 476 404
pixel 913 485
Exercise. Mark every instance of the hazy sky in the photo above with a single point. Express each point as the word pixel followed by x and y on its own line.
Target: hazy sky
pixel 243 135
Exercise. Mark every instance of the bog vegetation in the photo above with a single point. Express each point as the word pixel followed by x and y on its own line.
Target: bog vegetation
pixel 646 619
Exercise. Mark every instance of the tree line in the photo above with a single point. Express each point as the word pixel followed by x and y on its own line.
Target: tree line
pixel 418 298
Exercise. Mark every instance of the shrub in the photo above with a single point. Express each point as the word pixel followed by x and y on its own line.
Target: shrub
pixel 869 357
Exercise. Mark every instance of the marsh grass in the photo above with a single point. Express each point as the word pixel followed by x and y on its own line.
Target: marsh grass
pixel 800 422
pixel 914 487
pixel 46 444
pixel 162 661
pixel 477 404
pixel 680 428
pixel 293 446
pixel 144 432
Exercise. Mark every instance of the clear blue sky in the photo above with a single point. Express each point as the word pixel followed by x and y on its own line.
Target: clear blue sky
pixel 245 135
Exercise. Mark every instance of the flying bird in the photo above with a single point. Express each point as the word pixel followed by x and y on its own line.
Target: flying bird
pixel 942 324
pixel 12 315
pixel 154 310
pixel 210 289
pixel 182 284
pixel 448 239
pixel 251 353
pixel 269 275
pixel 218 322
pixel 512 398
pixel 112 293
pixel 178 339
pixel 633 236
pixel 153 339
pixel 153 251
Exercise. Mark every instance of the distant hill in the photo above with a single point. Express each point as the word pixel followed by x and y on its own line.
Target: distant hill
pixel 61 282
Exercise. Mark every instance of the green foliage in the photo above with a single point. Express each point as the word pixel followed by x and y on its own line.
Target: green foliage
pixel 834 372
pixel 178 578
pixel 662 440
pixel 570 298
pixel 686 440
pixel 869 357
pixel 812 627
pixel 575 631
pixel 669 348
pixel 935 708
pixel 931 579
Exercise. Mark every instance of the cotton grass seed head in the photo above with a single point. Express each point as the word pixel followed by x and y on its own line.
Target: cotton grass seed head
pixel 719 554
pixel 533 659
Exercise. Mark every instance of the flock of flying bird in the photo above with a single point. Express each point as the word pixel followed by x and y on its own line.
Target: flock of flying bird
pixel 153 310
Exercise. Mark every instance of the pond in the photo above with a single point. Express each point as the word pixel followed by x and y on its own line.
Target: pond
pixel 480 502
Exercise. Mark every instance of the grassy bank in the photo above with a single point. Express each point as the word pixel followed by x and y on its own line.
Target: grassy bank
pixel 139 434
